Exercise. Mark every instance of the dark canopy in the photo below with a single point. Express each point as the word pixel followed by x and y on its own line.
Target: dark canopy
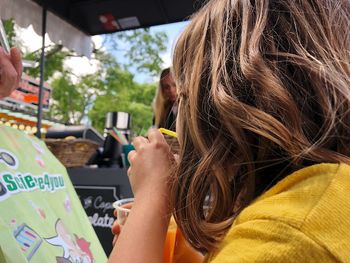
pixel 106 16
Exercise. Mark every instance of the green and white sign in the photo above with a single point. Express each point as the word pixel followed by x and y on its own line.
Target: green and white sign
pixel 41 217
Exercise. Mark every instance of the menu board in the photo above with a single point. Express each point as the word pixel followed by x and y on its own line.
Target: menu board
pixel 98 204
pixel 97 189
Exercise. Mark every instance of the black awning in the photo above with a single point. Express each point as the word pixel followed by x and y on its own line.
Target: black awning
pixel 107 16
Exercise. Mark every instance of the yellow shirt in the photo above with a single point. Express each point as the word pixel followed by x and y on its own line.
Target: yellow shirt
pixel 304 218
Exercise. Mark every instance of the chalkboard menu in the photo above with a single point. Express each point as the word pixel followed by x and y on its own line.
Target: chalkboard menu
pixel 97 189
pixel 97 202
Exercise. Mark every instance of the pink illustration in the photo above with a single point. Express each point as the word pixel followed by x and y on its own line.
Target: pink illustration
pixel 85 247
pixel 74 249
pixel 40 161
pixel 67 204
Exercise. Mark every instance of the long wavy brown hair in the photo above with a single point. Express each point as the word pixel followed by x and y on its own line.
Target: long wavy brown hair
pixel 264 90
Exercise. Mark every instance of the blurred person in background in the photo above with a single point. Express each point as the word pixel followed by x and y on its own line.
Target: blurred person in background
pixel 165 104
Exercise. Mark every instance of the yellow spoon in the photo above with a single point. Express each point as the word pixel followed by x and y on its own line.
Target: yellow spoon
pixel 168 132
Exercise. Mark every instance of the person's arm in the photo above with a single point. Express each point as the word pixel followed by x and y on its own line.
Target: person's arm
pixel 10 71
pixel 143 235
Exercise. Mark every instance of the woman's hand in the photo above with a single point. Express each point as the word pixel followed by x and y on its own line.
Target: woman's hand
pixel 151 164
pixel 116 229
pixel 10 71
pixel 145 229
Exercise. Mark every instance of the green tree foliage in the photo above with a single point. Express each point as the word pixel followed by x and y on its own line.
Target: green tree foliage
pixel 122 93
pixel 64 97
pixel 71 102
pixel 9 26
pixel 143 49
pixel 54 61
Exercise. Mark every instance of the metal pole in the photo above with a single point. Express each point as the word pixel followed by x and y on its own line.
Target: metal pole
pixel 42 65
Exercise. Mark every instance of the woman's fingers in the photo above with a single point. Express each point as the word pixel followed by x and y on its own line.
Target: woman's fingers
pixel 10 71
pixel 116 228
pixel 131 156
pixel 16 60
pixel 154 135
pixel 139 142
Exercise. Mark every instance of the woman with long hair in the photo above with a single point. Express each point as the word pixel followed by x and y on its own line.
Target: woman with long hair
pixel 164 105
pixel 263 127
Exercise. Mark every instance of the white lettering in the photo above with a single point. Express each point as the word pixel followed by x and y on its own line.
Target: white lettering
pixel 105 221
pixel 100 204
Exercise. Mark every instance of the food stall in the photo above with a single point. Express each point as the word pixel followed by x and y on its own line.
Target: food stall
pixel 19 109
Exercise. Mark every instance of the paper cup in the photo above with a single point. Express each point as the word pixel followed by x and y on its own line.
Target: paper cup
pixel 123 207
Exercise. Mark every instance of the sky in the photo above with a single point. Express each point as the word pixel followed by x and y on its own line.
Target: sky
pixel 173 31
pixel 81 66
